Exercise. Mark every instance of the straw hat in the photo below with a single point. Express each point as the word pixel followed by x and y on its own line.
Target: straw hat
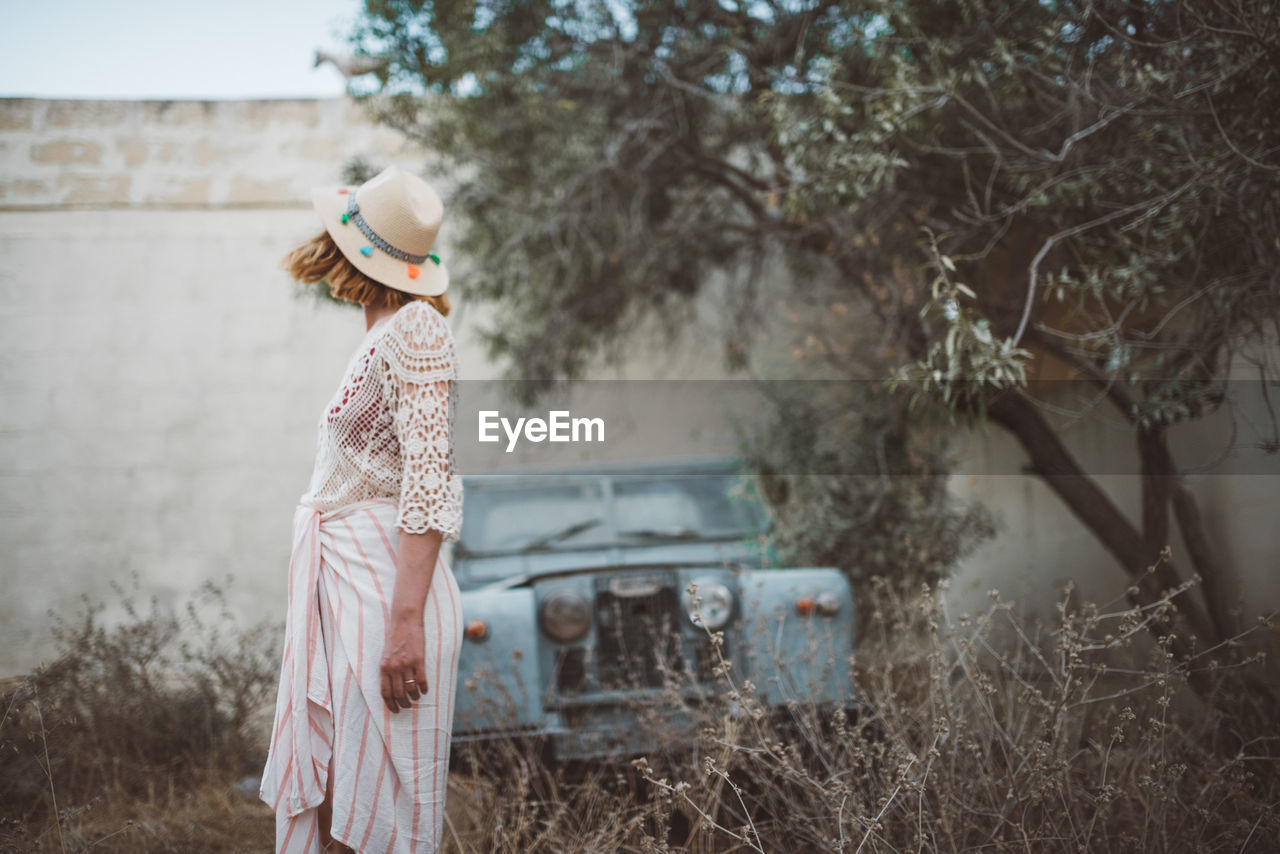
pixel 386 227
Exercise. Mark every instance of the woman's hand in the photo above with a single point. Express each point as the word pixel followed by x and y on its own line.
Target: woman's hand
pixel 404 671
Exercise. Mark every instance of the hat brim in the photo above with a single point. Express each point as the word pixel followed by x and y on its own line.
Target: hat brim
pixel 331 202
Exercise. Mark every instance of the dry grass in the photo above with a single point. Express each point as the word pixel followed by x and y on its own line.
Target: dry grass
pixel 130 739
pixel 209 816
pixel 980 733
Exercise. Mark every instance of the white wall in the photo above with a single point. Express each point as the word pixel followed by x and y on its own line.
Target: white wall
pixel 1040 546
pixel 160 382
pixel 161 379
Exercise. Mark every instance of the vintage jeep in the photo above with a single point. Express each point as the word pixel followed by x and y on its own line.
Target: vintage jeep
pixel 578 605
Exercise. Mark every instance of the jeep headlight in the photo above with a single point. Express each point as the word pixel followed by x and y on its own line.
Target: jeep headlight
pixel 565 616
pixel 712 599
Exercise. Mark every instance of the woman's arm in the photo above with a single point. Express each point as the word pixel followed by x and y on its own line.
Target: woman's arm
pixel 418 384
pixel 404 652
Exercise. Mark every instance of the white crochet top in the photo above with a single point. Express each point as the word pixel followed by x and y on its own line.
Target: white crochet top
pixel 387 431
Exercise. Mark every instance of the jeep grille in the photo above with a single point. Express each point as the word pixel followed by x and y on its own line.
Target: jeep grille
pixel 638 632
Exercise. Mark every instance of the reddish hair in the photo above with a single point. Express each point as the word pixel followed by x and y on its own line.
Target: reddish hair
pixel 320 260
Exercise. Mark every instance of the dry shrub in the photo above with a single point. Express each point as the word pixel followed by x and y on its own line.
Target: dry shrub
pixel 973 732
pixel 130 720
pixel 210 818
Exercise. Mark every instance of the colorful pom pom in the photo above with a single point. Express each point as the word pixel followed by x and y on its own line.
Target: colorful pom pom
pixel 346 217
pixel 344 190
pixel 413 272
pixel 366 251
pixel 434 257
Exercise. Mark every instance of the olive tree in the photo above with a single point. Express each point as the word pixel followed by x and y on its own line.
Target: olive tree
pixel 967 195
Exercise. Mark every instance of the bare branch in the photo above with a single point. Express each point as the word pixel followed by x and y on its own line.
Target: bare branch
pixel 1209 99
pixel 1153 205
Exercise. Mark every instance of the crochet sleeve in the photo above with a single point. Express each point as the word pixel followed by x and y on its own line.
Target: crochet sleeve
pixel 419 377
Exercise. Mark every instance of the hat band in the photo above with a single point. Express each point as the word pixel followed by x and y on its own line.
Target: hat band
pixel 353 211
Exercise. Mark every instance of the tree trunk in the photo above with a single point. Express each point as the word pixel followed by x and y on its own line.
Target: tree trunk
pixel 1160 480
pixel 1051 461
pixel 1219 586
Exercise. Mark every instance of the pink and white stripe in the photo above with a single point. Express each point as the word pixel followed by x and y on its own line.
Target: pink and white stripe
pixel 389 770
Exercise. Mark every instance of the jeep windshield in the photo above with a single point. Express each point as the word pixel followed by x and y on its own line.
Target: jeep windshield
pixel 515 515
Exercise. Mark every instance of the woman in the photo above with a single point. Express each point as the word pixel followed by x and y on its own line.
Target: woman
pixel 360 745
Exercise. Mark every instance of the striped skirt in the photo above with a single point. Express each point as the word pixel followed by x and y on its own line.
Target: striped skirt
pixel 388 772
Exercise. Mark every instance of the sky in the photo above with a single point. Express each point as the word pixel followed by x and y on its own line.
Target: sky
pixel 205 49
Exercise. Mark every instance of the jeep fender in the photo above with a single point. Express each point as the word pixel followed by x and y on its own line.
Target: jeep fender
pixel 790 656
pixel 499 686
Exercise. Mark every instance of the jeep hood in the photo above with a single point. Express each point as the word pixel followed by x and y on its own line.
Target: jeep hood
pixel 515 570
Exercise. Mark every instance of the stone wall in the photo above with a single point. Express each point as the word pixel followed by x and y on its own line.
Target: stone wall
pixel 185 155
pixel 161 379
